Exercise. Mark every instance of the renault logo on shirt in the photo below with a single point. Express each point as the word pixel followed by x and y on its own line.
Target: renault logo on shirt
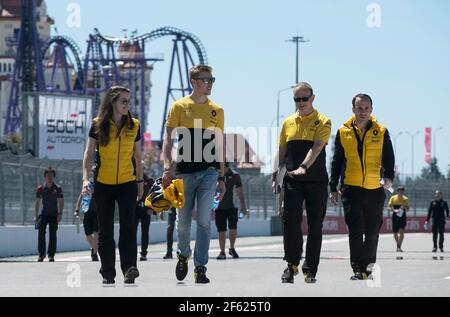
pixel 214 113
pixel 375 132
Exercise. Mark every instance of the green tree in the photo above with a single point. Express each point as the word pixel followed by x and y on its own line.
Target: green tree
pixel 431 171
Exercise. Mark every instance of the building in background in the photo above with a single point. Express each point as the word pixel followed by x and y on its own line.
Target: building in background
pixel 10 19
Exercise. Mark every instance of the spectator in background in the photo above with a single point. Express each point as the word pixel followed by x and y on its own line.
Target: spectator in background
pixel 145 218
pixel 49 207
pixel 172 217
pixel 90 225
pixel 226 211
pixel 438 211
pixel 399 205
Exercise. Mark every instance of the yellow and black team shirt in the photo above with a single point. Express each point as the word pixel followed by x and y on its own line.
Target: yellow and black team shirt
pixel 298 135
pixel 398 202
pixel 362 158
pixel 115 161
pixel 198 127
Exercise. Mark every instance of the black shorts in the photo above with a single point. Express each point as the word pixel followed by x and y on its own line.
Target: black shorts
pixel 90 222
pixel 398 223
pixel 223 215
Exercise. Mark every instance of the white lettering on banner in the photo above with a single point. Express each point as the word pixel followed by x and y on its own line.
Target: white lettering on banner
pixel 64 123
pixel 330 225
pixel 413 225
pixel 65 140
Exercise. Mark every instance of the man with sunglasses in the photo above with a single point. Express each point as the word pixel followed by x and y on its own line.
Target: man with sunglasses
pixel 199 123
pixel 303 139
pixel 364 156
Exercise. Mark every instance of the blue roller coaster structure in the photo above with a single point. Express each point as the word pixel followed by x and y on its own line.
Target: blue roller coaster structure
pixel 99 69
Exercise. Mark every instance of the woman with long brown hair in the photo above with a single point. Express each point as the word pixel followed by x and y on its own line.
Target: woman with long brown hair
pixel 114 144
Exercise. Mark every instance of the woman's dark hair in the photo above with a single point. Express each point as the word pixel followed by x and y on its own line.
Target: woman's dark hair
pixel 106 113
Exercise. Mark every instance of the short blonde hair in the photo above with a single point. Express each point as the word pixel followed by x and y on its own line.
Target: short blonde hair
pixel 197 69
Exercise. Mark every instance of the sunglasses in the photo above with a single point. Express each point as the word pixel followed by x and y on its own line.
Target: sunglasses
pixel 302 99
pixel 207 80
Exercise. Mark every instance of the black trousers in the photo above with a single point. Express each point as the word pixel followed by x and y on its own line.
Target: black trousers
pixel 52 223
pixel 105 198
pixel 438 228
pixel 170 228
pixel 363 210
pixel 315 196
pixel 144 218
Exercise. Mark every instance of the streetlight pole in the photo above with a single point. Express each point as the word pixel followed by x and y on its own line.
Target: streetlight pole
pixel 297 40
pixel 412 150
pixel 434 141
pixel 395 142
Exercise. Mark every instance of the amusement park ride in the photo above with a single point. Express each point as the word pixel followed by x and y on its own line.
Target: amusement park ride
pixel 101 67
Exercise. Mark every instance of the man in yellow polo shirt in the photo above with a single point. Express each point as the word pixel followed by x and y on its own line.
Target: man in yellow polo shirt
pixel 399 205
pixel 199 123
pixel 365 158
pixel 303 139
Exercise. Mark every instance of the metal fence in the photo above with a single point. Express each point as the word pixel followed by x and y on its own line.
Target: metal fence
pixel 20 175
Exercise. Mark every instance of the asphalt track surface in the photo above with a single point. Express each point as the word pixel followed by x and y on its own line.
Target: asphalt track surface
pixel 415 272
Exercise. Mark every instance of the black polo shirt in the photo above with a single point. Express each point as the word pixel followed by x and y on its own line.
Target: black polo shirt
pixel 49 196
pixel 232 180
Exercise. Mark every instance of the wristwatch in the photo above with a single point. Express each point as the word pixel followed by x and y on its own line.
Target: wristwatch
pixel 304 167
pixel 221 178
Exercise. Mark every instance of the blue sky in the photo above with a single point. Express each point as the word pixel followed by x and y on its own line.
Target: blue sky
pixel 404 65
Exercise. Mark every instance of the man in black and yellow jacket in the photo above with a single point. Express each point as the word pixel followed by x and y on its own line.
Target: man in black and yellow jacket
pixel 365 158
pixel 303 139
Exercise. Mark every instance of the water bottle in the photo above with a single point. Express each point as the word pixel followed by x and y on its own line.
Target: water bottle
pixel 389 189
pixel 216 201
pixel 241 215
pixel 86 199
pixel 77 223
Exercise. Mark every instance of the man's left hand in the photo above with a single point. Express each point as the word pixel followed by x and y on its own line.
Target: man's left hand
pixel 222 188
pixel 299 171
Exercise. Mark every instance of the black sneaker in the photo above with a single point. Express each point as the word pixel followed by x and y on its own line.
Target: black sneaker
pixel 131 275
pixel 289 273
pixel 41 258
pixel 143 257
pixel 233 253
pixel 309 278
pixel 434 250
pixel 200 275
pixel 108 281
pixel 51 259
pixel 222 256
pixel 442 250
pixel 359 276
pixel 94 256
pixel 168 256
pixel 182 267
